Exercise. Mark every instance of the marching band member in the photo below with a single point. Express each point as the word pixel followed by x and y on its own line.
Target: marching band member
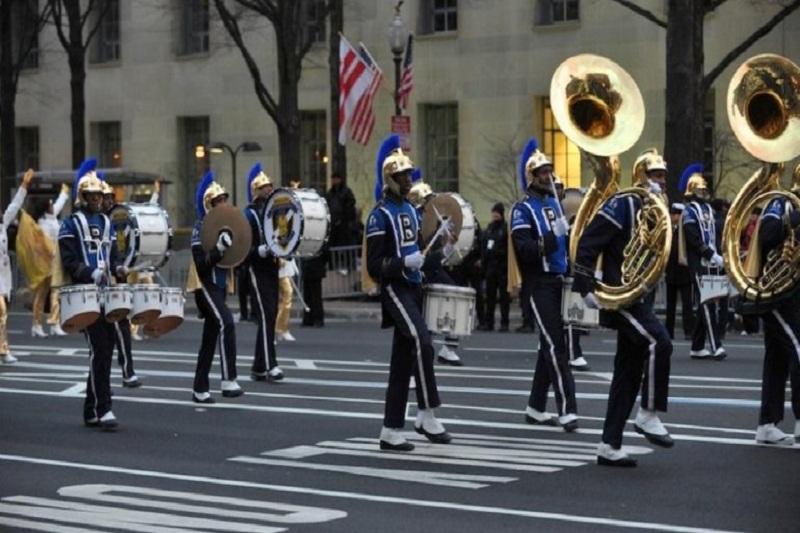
pixel 287 271
pixel 210 297
pixel 433 272
pixel 122 328
pixel 538 234
pixel 395 260
pixel 641 337
pixel 89 255
pixel 698 250
pixel 262 270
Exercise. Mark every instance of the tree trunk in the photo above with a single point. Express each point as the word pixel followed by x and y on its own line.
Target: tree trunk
pixel 338 152
pixel 683 132
pixel 8 94
pixel 77 83
pixel 289 131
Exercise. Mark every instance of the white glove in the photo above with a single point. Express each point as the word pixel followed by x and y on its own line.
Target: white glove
pixel 262 250
pixel 224 241
pixel 97 275
pixel 654 187
pixel 591 301
pixel 122 271
pixel 561 227
pixel 414 261
pixel 717 261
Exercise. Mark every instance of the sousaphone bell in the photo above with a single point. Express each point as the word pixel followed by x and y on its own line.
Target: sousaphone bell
pixel 227 217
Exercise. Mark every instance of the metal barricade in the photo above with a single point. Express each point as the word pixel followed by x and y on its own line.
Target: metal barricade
pixel 344 273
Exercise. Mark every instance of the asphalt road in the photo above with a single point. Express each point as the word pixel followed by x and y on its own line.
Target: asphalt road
pixel 301 455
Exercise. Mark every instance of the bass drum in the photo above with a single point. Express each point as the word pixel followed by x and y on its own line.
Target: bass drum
pixel 466 238
pixel 144 235
pixel 296 222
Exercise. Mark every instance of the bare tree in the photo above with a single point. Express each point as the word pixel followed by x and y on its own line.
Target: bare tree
pixel 686 83
pixel 498 178
pixel 78 23
pixel 293 42
pixel 730 165
pixel 338 152
pixel 17 42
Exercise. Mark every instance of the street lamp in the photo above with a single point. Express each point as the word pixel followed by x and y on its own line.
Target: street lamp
pixel 397 36
pixel 220 147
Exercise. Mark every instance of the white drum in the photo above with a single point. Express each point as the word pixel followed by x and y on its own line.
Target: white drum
pixel 146 303
pixel 713 287
pixel 117 302
pixel 449 310
pixel 574 310
pixel 144 235
pixel 466 239
pixel 172 301
pixel 296 222
pixel 80 307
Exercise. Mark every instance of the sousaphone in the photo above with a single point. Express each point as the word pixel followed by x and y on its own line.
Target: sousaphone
pixel 227 217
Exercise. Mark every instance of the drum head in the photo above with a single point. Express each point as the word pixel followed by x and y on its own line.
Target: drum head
pixel 80 321
pixel 444 207
pixel 162 326
pixel 283 222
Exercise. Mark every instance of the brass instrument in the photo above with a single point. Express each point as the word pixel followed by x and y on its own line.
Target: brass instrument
pixel 227 217
pixel 599 107
pixel 764 113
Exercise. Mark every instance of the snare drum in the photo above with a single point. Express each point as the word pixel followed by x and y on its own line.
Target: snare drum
pixel 296 222
pixel 713 287
pixel 117 302
pixel 146 303
pixel 449 309
pixel 171 316
pixel 574 310
pixel 144 235
pixel 80 307
pixel 466 239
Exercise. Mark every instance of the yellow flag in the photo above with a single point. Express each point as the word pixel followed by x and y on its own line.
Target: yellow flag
pixel 34 251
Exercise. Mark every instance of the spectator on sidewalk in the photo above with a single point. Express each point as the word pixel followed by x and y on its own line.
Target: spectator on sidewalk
pixel 678 281
pixel 342 208
pixel 495 265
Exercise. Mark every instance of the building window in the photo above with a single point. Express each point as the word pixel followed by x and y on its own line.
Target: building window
pixel 557 11
pixel 194 26
pixel 441 146
pixel 314 15
pixel 564 153
pixel 194 162
pixel 108 144
pixel 313 150
pixel 27 144
pixel 25 45
pixel 106 41
pixel 436 16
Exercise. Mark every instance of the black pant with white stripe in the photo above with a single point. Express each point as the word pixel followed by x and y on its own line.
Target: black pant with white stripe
pixel 781 359
pixel 265 292
pixel 643 349
pixel 708 318
pixel 100 337
pixel 412 352
pixel 552 363
pixel 217 326
pixel 122 341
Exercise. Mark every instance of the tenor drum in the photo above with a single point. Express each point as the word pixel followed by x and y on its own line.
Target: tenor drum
pixel 144 235
pixel 713 287
pixel 296 222
pixel 466 238
pixel 80 307
pixel 146 303
pixel 449 309
pixel 574 310
pixel 172 300
pixel 117 302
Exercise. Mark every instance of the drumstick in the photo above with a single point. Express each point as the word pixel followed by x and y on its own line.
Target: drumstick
pixel 299 295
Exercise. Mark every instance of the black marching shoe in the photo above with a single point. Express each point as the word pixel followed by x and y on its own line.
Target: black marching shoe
pixel 608 456
pixel 258 376
pixel 437 438
pixel 202 397
pixel 402 447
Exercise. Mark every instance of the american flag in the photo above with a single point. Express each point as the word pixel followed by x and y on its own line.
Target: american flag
pixel 407 79
pixel 355 79
pixel 363 117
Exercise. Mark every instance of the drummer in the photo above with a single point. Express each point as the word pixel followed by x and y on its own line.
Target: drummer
pixel 122 328
pixel 434 272
pixel 539 236
pixel 88 254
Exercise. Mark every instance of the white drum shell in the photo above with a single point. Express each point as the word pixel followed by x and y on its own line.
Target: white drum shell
pixel 172 303
pixel 146 303
pixel 305 219
pixel 80 307
pixel 449 309
pixel 147 233
pixel 713 287
pixel 117 302
pixel 466 238
pixel 574 310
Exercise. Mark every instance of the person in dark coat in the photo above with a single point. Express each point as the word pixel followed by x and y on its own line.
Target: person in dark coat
pixel 678 282
pixel 495 266
pixel 313 271
pixel 342 208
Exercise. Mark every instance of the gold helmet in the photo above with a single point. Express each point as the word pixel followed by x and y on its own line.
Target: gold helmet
pixel 257 179
pixel 214 191
pixel 536 161
pixel 396 163
pixel 648 161
pixel 107 189
pixel 86 181
pixel 693 181
pixel 419 192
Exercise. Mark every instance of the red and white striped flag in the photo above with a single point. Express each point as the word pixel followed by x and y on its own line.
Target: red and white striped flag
pixel 407 79
pixel 363 117
pixel 355 78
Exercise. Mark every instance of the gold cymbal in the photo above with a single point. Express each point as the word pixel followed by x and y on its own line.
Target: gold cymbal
pixel 444 206
pixel 227 217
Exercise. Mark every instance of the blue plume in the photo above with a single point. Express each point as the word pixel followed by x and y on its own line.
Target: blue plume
pixel 416 175
pixel 207 180
pixel 531 147
pixel 255 171
pixel 101 175
pixel 691 169
pixel 389 145
pixel 87 166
